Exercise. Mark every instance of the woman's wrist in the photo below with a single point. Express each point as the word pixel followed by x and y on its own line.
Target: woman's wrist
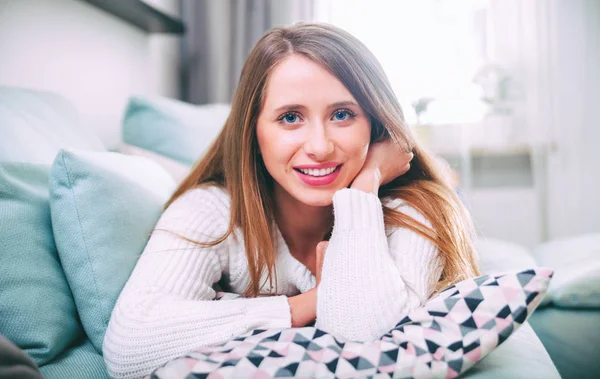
pixel 367 181
pixel 303 308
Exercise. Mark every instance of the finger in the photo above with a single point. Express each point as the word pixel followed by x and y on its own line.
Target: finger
pixel 405 169
pixel 321 247
pixel 407 157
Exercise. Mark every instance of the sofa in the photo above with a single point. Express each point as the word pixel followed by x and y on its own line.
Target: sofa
pixel 567 320
pixel 75 217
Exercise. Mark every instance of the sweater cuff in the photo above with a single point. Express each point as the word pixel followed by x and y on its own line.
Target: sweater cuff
pixel 268 312
pixel 354 210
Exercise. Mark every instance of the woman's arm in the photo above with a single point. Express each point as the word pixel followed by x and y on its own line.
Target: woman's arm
pixel 367 286
pixel 166 308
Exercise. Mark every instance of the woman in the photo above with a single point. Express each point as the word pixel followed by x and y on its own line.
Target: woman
pixel 313 146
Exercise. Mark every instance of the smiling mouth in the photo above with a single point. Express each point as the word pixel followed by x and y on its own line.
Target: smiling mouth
pixel 318 172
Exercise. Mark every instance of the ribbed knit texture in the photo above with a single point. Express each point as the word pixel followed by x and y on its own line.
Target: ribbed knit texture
pixel 81 361
pixel 167 308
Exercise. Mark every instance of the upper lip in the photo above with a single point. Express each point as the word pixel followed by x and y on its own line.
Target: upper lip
pixel 318 166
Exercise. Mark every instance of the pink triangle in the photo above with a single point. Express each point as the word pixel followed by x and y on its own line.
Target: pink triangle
pixel 475 354
pixel 259 374
pixel 430 332
pixel 439 354
pixel 502 324
pixel 451 374
pixel 349 354
pixel 511 293
pixel 190 362
pixel 316 355
pixel 481 318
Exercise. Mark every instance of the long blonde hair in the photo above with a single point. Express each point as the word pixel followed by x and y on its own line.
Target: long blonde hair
pixel 233 161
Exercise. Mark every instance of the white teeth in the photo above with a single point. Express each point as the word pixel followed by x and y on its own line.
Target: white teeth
pixel 318 172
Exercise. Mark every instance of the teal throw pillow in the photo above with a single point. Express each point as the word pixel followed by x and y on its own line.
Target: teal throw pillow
pixel 104 206
pixel 173 128
pixel 37 311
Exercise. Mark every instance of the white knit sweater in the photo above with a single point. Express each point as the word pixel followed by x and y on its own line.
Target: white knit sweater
pixel 371 277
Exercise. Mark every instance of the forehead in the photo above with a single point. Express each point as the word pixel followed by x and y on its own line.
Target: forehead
pixel 299 80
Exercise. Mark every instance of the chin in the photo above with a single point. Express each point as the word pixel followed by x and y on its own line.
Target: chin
pixel 315 198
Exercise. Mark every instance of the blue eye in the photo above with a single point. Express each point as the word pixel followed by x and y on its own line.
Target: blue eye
pixel 343 115
pixel 290 118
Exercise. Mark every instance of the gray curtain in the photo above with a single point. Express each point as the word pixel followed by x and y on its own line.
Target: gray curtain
pixel 219 36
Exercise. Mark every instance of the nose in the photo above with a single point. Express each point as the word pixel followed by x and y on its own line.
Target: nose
pixel 318 146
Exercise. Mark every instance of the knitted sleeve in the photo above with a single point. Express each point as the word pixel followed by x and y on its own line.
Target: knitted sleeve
pixel 167 307
pixel 370 281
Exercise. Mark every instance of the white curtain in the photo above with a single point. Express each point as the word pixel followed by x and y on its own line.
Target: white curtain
pixel 220 34
pixel 551 52
pixel 567 117
pixel 428 48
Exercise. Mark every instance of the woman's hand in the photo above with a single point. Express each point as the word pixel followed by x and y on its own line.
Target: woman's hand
pixel 321 247
pixel 385 162
pixel 303 307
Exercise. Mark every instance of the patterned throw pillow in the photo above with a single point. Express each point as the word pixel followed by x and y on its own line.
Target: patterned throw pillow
pixel 442 339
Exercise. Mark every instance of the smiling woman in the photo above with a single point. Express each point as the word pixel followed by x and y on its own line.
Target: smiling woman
pixel 314 204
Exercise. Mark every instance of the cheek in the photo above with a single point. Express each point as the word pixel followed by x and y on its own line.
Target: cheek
pixel 260 139
pixel 355 143
pixel 277 147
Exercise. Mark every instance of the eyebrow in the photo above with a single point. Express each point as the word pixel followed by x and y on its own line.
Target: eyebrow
pixel 295 107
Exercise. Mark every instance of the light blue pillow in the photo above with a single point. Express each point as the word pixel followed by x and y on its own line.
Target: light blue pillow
pixel 576 261
pixel 497 256
pixel 37 311
pixel 104 206
pixel 35 124
pixel 81 361
pixel 173 128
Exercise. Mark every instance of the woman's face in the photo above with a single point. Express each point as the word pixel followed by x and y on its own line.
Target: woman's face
pixel 312 134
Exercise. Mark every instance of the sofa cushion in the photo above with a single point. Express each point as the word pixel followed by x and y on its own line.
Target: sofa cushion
pixel 80 361
pixel 522 356
pixel 173 128
pixel 571 337
pixel 177 170
pixel 576 261
pixel 36 306
pixel 35 124
pixel 104 206
pixel 496 256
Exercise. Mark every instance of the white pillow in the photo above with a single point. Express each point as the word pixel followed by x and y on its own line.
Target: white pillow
pixel 177 170
pixel 576 264
pixel 498 256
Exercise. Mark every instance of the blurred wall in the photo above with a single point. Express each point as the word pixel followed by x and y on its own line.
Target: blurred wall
pixel 93 58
